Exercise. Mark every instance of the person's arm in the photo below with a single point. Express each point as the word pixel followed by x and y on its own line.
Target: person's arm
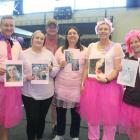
pixel 84 74
pixel 2 71
pixel 54 67
pixel 118 55
pixel 60 59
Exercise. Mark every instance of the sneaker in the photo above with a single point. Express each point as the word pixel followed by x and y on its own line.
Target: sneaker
pixel 58 138
pixel 75 138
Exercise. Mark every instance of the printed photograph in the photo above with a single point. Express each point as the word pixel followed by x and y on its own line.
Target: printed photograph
pixel 14 73
pixel 96 66
pixel 40 72
pixel 75 64
pixel 128 74
pixel 68 56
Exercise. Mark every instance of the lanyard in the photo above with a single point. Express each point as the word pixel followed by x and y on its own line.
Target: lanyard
pixel 9 53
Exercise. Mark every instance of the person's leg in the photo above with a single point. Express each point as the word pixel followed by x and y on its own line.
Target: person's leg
pixel 75 123
pixel 93 132
pixel 3 133
pixel 61 121
pixel 109 132
pixel 53 119
pixel 43 110
pixel 32 112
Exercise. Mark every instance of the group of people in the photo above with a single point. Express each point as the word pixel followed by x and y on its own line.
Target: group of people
pixel 98 100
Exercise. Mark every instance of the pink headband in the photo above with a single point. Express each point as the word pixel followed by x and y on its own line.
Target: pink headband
pixel 105 21
pixel 129 36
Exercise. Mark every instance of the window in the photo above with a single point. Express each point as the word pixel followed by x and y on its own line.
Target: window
pixel 6 8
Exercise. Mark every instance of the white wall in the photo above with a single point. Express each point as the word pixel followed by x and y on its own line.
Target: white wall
pixel 123 21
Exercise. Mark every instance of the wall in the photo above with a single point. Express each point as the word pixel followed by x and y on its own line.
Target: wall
pixel 123 19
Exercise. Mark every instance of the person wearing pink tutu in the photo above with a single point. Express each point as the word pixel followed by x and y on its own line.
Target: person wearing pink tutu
pixel 67 83
pixel 10 97
pixel 101 97
pixel 130 112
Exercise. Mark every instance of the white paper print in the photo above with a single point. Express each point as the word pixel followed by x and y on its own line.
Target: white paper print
pixel 128 74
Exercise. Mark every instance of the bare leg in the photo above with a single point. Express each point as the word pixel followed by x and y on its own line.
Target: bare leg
pixel 3 133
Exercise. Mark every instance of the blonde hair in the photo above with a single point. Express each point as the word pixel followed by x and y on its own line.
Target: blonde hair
pixel 32 37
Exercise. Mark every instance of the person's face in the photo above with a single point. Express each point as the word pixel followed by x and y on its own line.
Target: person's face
pixel 103 31
pixel 38 40
pixel 12 71
pixel 72 36
pixel 52 30
pixel 7 27
pixel 135 44
pixel 99 63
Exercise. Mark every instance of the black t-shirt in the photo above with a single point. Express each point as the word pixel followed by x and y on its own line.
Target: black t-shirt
pixel 132 94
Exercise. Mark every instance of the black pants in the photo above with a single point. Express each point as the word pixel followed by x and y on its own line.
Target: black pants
pixel 36 111
pixel 61 122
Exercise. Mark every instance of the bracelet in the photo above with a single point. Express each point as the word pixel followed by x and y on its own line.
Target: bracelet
pixel 107 80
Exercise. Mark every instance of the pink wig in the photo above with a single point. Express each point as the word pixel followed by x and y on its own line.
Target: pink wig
pixel 105 21
pixel 129 36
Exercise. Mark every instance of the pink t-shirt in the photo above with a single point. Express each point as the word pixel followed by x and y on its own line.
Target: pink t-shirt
pixel 67 82
pixel 51 44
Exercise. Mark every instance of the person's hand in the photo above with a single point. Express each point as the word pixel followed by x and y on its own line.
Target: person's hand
pixel 101 78
pixel 50 68
pixel 2 71
pixel 118 67
pixel 29 77
pixel 62 64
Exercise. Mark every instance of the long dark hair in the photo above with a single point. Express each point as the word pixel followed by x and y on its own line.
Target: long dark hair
pixel 78 44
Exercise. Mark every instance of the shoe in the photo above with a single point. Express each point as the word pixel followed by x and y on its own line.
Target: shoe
pixel 75 138
pixel 58 138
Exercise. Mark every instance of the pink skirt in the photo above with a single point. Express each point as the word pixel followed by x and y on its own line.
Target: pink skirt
pixel 11 112
pixel 130 120
pixel 101 103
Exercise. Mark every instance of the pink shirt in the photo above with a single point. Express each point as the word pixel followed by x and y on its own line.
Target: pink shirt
pixel 67 83
pixel 51 44
pixel 38 91
pixel 15 50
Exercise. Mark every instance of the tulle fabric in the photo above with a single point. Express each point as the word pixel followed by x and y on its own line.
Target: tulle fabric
pixel 101 103
pixel 11 112
pixel 130 121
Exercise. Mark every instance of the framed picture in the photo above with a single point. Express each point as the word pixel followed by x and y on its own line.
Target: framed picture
pixel 96 66
pixel 40 72
pixel 129 72
pixel 72 58
pixel 14 73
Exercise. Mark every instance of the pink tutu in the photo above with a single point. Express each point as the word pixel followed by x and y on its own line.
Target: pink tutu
pixel 130 120
pixel 101 103
pixel 11 112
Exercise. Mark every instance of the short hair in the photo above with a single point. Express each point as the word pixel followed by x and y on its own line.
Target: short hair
pixel 6 17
